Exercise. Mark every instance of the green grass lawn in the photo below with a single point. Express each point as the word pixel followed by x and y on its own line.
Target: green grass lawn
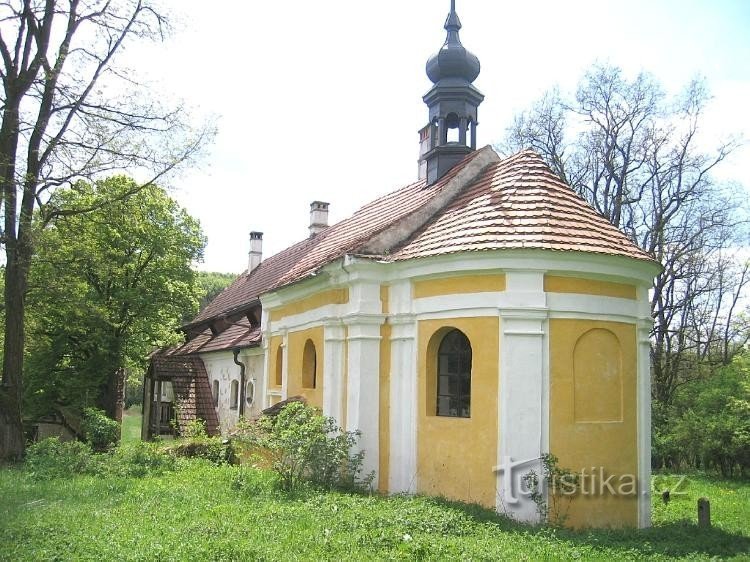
pixel 203 512
pixel 131 424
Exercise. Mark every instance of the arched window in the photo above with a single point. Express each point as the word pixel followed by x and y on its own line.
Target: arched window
pixel 215 392
pixel 250 393
pixel 279 365
pixel 234 395
pixel 452 123
pixel 454 376
pixel 309 365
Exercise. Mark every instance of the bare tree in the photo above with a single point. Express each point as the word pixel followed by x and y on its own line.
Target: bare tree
pixel 69 112
pixel 634 156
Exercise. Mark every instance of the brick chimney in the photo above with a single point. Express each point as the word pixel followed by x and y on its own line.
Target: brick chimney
pixel 318 217
pixel 255 255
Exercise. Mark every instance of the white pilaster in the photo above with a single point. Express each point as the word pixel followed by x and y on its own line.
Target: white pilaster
pixel 264 398
pixel 403 392
pixel 363 387
pixel 523 391
pixel 284 365
pixel 334 335
pixel 644 424
pixel 363 369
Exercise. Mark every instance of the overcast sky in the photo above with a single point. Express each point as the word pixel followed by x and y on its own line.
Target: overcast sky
pixel 322 100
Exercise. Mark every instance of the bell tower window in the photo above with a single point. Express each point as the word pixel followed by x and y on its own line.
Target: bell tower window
pixel 452 122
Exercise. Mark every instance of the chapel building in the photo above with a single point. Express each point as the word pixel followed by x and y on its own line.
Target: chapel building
pixel 466 324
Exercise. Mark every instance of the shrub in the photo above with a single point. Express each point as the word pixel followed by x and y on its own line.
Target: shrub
pixel 560 485
pixel 301 445
pixel 194 429
pixel 52 458
pixel 212 449
pixel 102 432
pixel 139 459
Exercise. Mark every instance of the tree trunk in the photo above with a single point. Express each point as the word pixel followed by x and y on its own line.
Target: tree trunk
pixel 113 395
pixel 11 427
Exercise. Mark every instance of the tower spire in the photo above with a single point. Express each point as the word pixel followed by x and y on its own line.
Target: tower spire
pixel 452 101
pixel 452 23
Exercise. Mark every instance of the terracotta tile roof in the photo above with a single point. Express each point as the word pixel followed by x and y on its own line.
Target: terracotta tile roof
pixel 349 235
pixel 191 388
pixel 512 203
pixel 239 334
pixel 518 203
pixel 192 345
pixel 307 256
pixel 248 287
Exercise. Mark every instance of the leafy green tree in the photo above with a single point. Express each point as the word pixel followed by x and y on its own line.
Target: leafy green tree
pixel 210 284
pixel 708 425
pixel 70 111
pixel 106 288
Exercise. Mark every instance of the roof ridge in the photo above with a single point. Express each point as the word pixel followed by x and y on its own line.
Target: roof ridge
pixel 464 174
pixel 435 217
pixel 519 203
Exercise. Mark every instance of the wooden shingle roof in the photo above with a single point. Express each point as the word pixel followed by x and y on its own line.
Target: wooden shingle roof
pixel 192 391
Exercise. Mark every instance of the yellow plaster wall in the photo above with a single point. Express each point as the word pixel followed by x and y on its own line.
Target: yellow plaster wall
pixel 331 296
pixel 459 285
pixel 295 354
pixel 455 456
pixel 591 424
pixel 385 397
pixel 273 353
pixel 555 284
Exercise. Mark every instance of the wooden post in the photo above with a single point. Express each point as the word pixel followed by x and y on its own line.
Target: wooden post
pixel 704 513
pixel 148 394
pixel 158 408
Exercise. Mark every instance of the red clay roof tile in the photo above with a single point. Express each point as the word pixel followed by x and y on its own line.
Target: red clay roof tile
pixel 518 203
pixel 249 286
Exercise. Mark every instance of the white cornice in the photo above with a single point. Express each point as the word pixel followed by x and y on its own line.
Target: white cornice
pixel 352 271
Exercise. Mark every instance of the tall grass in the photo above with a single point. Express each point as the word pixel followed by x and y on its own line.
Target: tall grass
pixel 131 425
pixel 205 512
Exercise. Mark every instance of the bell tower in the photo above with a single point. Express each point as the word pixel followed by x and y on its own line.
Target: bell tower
pixel 453 100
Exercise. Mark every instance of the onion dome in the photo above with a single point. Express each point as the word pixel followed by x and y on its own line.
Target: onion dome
pixel 453 60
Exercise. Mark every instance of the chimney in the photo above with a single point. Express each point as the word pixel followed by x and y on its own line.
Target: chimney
pixel 318 217
pixel 255 255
